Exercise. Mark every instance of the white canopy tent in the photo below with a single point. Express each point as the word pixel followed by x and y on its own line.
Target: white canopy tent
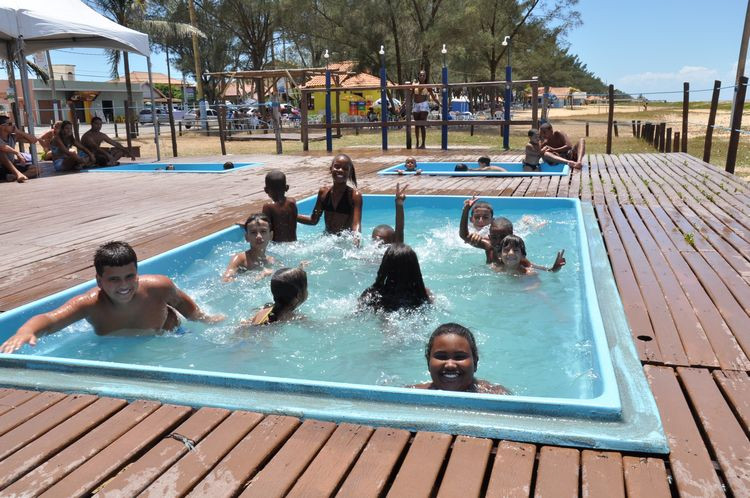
pixel 28 26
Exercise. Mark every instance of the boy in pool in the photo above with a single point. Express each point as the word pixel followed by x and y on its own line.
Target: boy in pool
pixel 258 232
pixel 481 218
pixel 283 210
pixel 484 165
pixel 410 166
pixel 123 303
pixel 384 233
pixel 289 290
pixel 499 229
pixel 452 359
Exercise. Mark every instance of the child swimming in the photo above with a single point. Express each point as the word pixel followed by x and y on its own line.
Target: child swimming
pixel 410 166
pixel 399 282
pixel 258 232
pixel 340 204
pixel 481 218
pixel 289 290
pixel 283 210
pixel 484 165
pixel 452 359
pixel 384 233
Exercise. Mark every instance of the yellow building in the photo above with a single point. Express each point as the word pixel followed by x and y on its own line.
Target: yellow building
pixel 354 102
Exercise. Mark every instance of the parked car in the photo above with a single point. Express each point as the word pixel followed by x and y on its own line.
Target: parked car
pixel 191 118
pixel 145 117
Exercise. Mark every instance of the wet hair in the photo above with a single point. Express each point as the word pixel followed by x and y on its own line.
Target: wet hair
pixel 461 167
pixel 545 126
pixel 286 285
pixel 275 178
pixel 455 329
pixel 228 165
pixel 532 132
pixel 255 217
pixel 502 223
pixel 484 160
pixel 399 281
pixel 114 253
pixel 389 234
pixel 484 205
pixel 352 173
pixel 96 118
pixel 515 242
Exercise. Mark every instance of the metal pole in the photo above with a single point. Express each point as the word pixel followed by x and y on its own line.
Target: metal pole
pixel 170 105
pixel 154 120
pixel 508 79
pixel 27 99
pixel 383 102
pixel 329 137
pixel 55 107
pixel 444 127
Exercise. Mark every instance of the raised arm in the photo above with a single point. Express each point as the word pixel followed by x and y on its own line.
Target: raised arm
pixel 556 266
pixel 400 197
pixel 48 323
pixel 317 212
pixel 24 137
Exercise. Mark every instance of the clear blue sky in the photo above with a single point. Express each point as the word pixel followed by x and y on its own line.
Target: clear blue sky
pixel 638 45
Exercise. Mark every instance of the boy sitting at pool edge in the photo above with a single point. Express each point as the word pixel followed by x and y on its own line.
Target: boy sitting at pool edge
pixel 384 233
pixel 500 228
pixel 258 232
pixel 283 210
pixel 123 303
pixel 410 166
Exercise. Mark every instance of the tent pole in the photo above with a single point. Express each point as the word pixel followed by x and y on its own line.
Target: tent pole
pixel 154 119
pixel 27 100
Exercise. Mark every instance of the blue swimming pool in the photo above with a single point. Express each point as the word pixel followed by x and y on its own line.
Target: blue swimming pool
pixel 448 169
pixel 167 168
pixel 341 365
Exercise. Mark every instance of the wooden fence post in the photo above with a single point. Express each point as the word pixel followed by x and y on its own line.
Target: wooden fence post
pixel 668 144
pixel 409 96
pixel 610 117
pixel 179 125
pixel 734 135
pixel 711 122
pixel 116 135
pixel 617 132
pixel 303 122
pixel 545 103
pixel 638 129
pixel 632 122
pixel 534 105
pixel 171 125
pixel 222 127
pixel 662 137
pixel 587 129
pixel 685 110
pixel 676 143
pixel 127 124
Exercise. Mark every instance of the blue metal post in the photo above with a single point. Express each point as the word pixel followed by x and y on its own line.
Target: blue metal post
pixel 508 97
pixel 329 131
pixel 383 103
pixel 444 128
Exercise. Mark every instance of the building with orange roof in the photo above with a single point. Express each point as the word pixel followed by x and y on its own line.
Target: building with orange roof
pixel 353 102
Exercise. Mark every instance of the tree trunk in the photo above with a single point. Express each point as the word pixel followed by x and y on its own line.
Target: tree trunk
pixel 129 88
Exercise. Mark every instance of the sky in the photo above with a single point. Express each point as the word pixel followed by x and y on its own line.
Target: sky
pixel 640 46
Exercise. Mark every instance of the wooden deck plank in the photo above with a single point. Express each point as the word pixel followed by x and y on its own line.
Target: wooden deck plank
pixel 725 435
pixel 191 468
pixel 26 458
pixel 323 475
pixel 241 464
pixel 29 407
pixel 98 468
pixel 418 473
pixel 12 399
pixel 558 472
pixel 43 476
pixel 691 464
pixel 375 465
pixel 736 387
pixel 466 469
pixel 645 477
pixel 136 477
pixel 602 474
pixel 280 474
pixel 512 471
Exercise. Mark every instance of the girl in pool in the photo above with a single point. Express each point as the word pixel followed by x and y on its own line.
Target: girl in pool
pixel 399 282
pixel 258 232
pixel 452 360
pixel 340 204
pixel 289 290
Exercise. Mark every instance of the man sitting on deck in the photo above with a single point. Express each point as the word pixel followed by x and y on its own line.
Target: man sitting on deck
pixel 123 303
pixel 93 139
pixel 557 143
pixel 17 165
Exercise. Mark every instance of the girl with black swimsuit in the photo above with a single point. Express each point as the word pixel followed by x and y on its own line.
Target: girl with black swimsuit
pixel 340 204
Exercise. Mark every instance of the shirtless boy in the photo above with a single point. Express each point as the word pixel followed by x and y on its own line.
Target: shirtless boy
pixel 123 303
pixel 17 165
pixel 283 210
pixel 93 139
pixel 557 143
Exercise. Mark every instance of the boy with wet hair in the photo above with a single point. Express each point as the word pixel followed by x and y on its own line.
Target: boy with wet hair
pixel 484 165
pixel 283 210
pixel 123 303
pixel 384 233
pixel 482 215
pixel 410 166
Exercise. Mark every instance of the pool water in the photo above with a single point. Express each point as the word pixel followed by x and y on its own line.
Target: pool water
pixel 448 169
pixel 178 168
pixel 531 331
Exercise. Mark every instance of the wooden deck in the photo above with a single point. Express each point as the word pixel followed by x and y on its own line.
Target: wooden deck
pixel 678 236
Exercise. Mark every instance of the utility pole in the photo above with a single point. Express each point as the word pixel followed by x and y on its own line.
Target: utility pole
pixel 51 72
pixel 743 54
pixel 196 54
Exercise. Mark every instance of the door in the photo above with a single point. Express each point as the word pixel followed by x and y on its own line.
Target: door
pixel 108 108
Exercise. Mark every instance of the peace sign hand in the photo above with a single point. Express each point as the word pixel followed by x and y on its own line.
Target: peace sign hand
pixel 400 194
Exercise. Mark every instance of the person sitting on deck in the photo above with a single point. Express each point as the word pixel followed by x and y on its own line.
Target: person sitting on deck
pixel 410 166
pixel 500 228
pixel 452 359
pixel 399 282
pixel 283 210
pixel 385 234
pixel 123 303
pixel 340 204
pixel 63 159
pixel 46 139
pixel 289 290
pixel 93 139
pixel 259 231
pixel 557 147
pixel 17 165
